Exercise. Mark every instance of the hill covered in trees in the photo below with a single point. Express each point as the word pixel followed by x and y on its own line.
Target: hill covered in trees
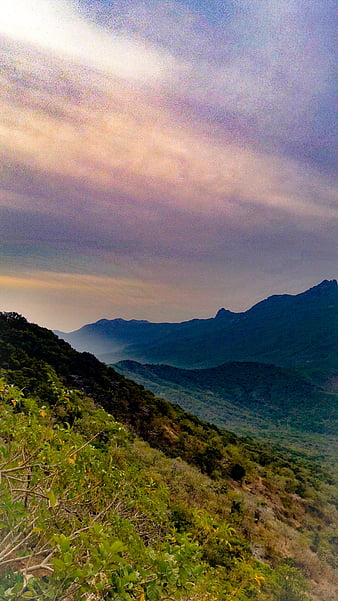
pixel 108 492
pixel 273 402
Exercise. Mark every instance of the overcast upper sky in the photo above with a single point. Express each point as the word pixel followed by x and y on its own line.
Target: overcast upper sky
pixel 160 160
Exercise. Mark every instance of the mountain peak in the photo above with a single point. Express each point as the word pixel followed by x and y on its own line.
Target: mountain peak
pixel 327 284
pixel 324 286
pixel 222 313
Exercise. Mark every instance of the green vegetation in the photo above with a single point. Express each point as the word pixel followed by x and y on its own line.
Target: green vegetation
pixel 108 492
pixel 275 403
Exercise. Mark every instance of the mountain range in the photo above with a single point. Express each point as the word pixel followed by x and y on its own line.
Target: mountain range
pixel 271 370
pixel 109 491
pixel 297 331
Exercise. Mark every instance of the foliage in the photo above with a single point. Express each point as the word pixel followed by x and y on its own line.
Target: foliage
pixel 90 511
pixel 270 398
pixel 73 522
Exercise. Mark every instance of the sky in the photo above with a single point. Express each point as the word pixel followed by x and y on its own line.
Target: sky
pixel 162 159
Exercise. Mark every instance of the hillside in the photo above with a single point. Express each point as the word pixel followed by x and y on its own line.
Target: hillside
pixel 287 330
pixel 273 402
pixel 159 506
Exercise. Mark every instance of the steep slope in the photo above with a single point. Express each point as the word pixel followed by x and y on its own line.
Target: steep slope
pixel 90 511
pixel 27 351
pixel 286 330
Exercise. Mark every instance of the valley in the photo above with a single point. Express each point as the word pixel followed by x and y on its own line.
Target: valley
pixel 269 403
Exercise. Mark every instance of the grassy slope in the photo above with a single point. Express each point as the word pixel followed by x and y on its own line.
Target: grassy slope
pixel 169 513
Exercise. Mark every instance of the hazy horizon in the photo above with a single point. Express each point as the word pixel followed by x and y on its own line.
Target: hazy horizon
pixel 187 318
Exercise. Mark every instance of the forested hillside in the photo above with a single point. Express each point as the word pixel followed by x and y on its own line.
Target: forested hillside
pixel 275 403
pixel 108 492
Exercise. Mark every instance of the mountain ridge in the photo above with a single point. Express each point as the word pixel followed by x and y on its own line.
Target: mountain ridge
pixel 287 330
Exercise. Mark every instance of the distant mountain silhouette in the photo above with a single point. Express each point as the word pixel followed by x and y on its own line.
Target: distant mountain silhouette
pixel 111 339
pixel 286 330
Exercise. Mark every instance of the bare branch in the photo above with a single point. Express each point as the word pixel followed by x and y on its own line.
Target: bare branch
pixel 9 549
pixel 84 445
pixel 21 558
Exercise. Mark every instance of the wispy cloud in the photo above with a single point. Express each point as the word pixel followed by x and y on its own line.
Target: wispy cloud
pixel 267 63
pixel 113 145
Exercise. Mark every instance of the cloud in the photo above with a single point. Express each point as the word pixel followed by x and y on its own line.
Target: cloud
pixel 265 68
pixel 119 143
pixel 58 26
pixel 164 152
pixel 267 62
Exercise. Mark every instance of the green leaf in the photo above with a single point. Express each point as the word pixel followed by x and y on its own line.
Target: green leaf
pixel 28 595
pixel 52 498
pixel 58 563
pixel 117 547
pixel 68 558
pixel 153 592
pixel 63 542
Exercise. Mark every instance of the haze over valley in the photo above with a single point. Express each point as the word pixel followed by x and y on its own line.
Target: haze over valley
pixel 270 372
